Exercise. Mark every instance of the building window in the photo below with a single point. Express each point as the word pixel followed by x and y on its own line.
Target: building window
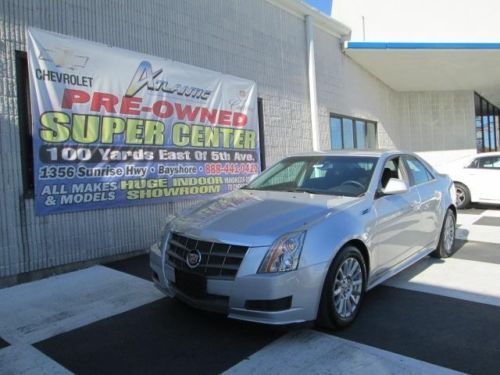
pixel 25 128
pixel 349 132
pixel 260 111
pixel 487 125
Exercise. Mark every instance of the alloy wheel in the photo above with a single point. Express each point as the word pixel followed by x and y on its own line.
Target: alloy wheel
pixel 449 233
pixel 460 194
pixel 347 288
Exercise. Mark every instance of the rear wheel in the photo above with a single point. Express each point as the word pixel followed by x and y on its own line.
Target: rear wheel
pixel 343 290
pixel 447 238
pixel 462 195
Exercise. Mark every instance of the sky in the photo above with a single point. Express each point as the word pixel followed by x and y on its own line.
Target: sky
pixel 324 5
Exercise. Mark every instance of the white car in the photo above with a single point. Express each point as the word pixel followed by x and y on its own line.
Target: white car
pixel 477 179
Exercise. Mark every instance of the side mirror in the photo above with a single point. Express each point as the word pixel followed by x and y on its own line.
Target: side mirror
pixel 395 186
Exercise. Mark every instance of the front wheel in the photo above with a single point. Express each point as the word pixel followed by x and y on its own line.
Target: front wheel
pixel 447 237
pixel 343 290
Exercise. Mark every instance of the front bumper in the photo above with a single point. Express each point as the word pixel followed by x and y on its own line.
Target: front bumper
pixel 251 296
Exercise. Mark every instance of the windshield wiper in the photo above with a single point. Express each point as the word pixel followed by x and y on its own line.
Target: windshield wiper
pixel 294 190
pixel 246 187
pixel 302 190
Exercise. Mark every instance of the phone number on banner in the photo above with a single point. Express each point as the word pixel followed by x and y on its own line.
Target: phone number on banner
pixel 231 168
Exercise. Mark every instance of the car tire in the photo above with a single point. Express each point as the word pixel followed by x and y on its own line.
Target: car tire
pixel 463 195
pixel 338 289
pixel 447 237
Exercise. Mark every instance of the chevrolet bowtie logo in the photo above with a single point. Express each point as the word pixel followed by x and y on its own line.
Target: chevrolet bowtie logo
pixel 64 58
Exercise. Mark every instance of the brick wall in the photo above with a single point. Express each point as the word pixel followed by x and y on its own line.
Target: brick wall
pixel 251 39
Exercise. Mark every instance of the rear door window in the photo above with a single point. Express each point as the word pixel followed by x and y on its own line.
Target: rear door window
pixel 419 174
pixel 490 162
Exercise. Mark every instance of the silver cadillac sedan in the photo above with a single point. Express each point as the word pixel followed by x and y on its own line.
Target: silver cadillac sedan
pixel 308 237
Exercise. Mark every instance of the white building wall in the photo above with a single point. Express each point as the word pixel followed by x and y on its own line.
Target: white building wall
pixel 251 39
pixel 420 21
pixel 345 88
pixel 436 120
pixel 438 125
pixel 414 121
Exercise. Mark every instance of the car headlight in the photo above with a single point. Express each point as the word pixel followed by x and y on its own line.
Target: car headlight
pixel 284 254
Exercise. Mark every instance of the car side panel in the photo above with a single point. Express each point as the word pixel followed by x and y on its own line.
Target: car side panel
pixel 482 184
pixel 489 182
pixel 431 195
pixel 324 240
pixel 396 229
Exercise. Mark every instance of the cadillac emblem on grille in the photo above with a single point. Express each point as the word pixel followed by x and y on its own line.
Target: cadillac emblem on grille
pixel 193 259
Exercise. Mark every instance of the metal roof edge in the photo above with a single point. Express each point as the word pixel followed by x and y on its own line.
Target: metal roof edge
pixel 403 45
pixel 321 20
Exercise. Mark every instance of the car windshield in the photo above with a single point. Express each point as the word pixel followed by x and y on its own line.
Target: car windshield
pixel 331 175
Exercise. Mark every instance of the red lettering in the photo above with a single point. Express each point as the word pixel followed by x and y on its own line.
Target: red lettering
pixel 224 118
pixel 131 105
pixel 71 97
pixel 208 115
pixel 163 113
pixel 186 111
pixel 239 119
pixel 104 100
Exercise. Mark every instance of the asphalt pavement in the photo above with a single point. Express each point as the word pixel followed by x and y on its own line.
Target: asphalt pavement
pixel 436 317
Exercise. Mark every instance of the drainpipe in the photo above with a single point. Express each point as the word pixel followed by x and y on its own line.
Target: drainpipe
pixel 311 70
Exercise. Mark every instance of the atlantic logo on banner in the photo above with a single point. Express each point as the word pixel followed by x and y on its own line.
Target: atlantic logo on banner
pixel 113 128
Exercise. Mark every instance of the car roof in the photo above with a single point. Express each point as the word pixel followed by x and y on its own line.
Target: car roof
pixel 482 154
pixel 470 158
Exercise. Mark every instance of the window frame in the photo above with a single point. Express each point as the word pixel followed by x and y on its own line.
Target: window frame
pixel 25 123
pixel 410 175
pixel 486 115
pixel 298 177
pixel 262 147
pixel 401 165
pixel 309 162
pixel 480 165
pixel 354 135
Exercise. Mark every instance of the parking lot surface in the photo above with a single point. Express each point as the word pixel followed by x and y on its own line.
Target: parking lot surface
pixel 438 317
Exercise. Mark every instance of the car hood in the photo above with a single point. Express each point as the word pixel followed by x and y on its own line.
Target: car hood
pixel 256 218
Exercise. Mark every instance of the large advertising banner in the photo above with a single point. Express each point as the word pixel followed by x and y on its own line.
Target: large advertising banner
pixel 114 128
